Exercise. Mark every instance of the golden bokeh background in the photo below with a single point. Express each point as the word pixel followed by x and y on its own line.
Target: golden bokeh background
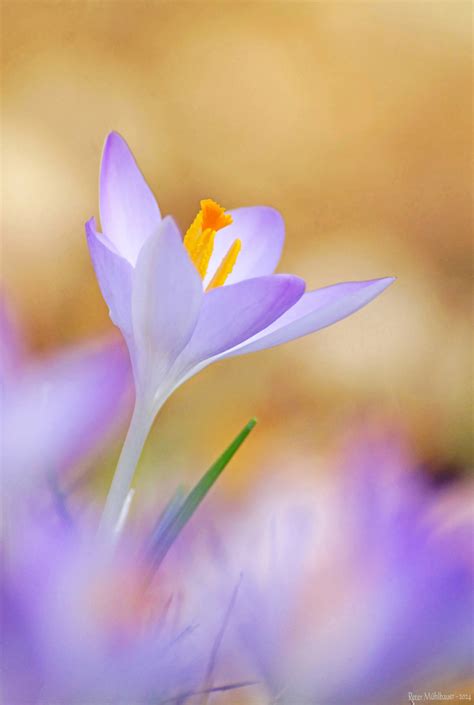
pixel 353 119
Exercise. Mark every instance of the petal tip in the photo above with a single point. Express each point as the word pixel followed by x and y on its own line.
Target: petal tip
pixel 272 214
pixel 292 280
pixel 381 283
pixel 91 227
pixel 114 146
pixel 112 137
pixel 387 281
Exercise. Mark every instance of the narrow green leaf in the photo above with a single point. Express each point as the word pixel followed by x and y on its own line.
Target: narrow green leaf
pixel 197 494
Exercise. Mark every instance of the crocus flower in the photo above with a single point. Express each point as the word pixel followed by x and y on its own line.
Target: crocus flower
pixel 58 409
pixel 75 630
pixel 184 303
pixel 354 589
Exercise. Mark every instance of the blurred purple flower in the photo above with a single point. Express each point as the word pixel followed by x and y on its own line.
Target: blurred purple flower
pixel 56 411
pixel 75 630
pixel 354 590
pixel 182 304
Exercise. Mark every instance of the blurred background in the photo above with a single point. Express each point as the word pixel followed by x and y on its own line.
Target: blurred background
pixel 352 119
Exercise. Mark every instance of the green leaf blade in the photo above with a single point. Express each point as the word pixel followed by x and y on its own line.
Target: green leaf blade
pixel 197 494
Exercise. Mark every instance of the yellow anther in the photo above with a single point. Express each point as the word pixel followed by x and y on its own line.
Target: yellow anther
pixel 203 251
pixel 193 233
pixel 226 266
pixel 199 241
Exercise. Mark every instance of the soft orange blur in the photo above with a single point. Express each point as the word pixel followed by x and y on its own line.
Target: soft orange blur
pixel 352 119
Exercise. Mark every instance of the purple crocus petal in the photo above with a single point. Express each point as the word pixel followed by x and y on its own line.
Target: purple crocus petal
pixel 65 405
pixel 12 351
pixel 235 313
pixel 166 300
pixel 114 275
pixel 262 232
pixel 315 310
pixel 129 212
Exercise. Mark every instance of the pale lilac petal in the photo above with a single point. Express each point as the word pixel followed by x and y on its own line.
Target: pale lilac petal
pixel 129 213
pixel 235 313
pixel 12 351
pixel 114 275
pixel 62 409
pixel 262 232
pixel 315 310
pixel 166 300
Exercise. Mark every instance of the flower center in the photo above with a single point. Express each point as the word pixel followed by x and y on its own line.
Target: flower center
pixel 199 242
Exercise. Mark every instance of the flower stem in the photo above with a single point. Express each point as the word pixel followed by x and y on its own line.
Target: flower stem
pixel 137 434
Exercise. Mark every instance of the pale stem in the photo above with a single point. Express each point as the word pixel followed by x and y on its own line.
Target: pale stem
pixel 118 528
pixel 137 434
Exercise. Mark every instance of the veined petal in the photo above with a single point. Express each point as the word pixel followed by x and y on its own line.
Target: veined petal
pixel 114 274
pixel 166 300
pixel 261 231
pixel 315 310
pixel 129 213
pixel 232 314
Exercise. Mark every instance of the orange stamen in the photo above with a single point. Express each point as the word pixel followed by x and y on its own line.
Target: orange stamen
pixel 199 241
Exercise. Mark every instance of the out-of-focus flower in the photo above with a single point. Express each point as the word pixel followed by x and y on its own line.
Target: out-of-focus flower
pixel 345 591
pixel 354 590
pixel 182 304
pixel 76 630
pixel 56 411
